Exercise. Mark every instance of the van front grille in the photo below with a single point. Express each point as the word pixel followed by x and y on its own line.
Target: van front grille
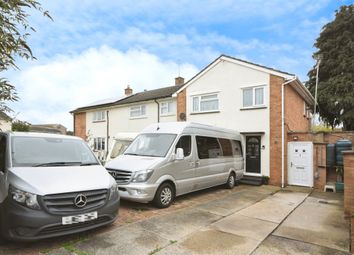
pixel 121 176
pixel 65 203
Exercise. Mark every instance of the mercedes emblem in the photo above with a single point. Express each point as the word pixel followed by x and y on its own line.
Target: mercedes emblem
pixel 80 200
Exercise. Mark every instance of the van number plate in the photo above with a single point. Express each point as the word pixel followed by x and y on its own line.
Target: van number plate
pixel 79 218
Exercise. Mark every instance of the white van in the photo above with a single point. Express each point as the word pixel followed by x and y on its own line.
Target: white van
pixel 52 185
pixel 121 141
pixel 171 159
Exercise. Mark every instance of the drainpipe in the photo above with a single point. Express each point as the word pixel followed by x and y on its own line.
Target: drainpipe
pixel 107 134
pixel 283 129
pixel 158 111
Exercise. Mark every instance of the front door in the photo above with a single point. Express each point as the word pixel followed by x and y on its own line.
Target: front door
pixel 253 154
pixel 300 170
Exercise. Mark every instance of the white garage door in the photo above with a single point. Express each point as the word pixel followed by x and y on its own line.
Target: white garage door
pixel 300 166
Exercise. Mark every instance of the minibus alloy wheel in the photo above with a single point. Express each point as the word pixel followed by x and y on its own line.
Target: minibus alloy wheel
pixel 164 196
pixel 231 181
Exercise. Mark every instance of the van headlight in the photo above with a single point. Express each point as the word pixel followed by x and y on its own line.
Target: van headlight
pixel 25 198
pixel 113 191
pixel 142 176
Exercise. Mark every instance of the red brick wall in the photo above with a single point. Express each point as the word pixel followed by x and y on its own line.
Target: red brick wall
pixel 352 235
pixel 333 137
pixel 294 111
pixel 294 120
pixel 348 157
pixel 348 182
pixel 181 104
pixel 80 125
pixel 275 107
pixel 319 165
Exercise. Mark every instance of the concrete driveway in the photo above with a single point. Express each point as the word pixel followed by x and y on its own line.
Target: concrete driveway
pixel 247 220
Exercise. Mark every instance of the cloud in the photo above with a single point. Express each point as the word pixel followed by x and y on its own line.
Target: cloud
pixel 49 91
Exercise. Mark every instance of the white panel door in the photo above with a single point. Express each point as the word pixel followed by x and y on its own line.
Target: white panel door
pixel 300 163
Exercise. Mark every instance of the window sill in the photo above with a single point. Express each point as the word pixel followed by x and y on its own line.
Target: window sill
pixel 195 113
pixel 139 117
pixel 98 121
pixel 253 108
pixel 167 115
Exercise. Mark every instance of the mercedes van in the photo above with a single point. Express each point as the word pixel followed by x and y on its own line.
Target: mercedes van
pixel 170 159
pixel 52 185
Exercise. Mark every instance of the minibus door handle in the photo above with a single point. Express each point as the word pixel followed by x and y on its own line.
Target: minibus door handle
pixel 197 163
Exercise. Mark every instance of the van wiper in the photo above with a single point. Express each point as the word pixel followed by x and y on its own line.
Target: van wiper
pixel 58 164
pixel 134 154
pixel 89 164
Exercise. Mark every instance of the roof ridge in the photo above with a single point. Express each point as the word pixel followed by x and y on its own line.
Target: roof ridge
pixel 252 63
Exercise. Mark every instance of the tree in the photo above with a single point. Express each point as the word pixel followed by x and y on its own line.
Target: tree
pixel 21 126
pixel 14 31
pixel 335 94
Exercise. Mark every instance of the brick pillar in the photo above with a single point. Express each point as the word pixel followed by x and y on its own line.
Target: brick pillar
pixel 275 105
pixel 80 125
pixel 348 157
pixel 352 235
pixel 181 105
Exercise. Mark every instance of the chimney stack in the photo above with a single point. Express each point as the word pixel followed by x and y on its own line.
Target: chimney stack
pixel 179 81
pixel 128 91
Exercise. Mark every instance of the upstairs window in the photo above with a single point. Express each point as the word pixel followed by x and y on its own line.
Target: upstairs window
pixel 167 108
pixel 205 103
pixel 137 111
pixel 99 116
pixel 253 97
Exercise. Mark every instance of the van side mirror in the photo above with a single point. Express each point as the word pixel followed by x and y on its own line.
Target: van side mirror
pixel 179 154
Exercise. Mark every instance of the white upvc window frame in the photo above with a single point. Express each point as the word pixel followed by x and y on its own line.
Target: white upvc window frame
pixel 99 144
pixel 254 105
pixel 199 100
pixel 140 109
pixel 99 116
pixel 169 105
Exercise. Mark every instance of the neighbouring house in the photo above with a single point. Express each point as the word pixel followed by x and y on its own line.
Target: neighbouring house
pixel 5 122
pixel 48 128
pixel 262 103
pixel 98 122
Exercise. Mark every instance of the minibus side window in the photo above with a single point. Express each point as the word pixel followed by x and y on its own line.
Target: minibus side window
pixel 185 142
pixel 2 153
pixel 208 147
pixel 226 147
pixel 237 149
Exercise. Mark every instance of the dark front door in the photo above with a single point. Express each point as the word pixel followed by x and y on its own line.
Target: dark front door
pixel 253 154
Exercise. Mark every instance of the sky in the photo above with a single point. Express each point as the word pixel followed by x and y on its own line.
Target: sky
pixel 93 49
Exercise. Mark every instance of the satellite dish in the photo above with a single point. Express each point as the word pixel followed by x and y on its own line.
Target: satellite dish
pixel 182 116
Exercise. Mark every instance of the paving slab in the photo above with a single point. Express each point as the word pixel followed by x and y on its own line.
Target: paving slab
pixel 211 241
pixel 232 203
pixel 318 223
pixel 180 223
pixel 275 208
pixel 244 226
pixel 274 245
pixel 130 239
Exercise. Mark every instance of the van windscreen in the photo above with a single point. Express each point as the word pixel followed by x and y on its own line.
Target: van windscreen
pixel 151 145
pixel 48 151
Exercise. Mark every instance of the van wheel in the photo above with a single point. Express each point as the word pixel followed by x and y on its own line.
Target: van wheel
pixel 164 196
pixel 231 181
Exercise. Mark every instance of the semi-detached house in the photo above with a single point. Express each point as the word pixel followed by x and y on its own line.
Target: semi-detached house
pixel 262 103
